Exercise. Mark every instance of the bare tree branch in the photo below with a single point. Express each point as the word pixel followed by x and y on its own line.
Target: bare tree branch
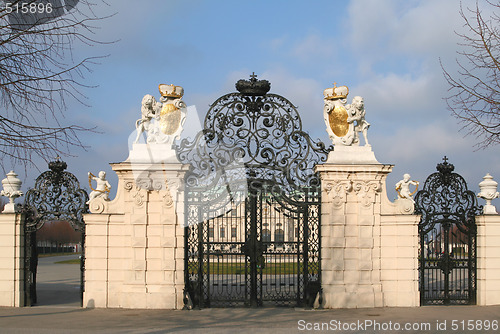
pixel 39 72
pixel 474 89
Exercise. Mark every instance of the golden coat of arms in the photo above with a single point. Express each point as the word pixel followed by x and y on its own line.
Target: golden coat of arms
pixel 170 119
pixel 344 122
pixel 162 121
pixel 338 121
pixel 336 114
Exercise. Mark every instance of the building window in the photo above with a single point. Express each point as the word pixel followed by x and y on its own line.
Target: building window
pixel 291 230
pixel 266 235
pixel 211 232
pixel 222 232
pixel 234 231
pixel 279 236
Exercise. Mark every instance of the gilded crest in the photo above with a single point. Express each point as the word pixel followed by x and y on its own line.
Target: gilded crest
pixel 338 121
pixel 170 119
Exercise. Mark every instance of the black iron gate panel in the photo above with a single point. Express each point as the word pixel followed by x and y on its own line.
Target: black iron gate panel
pixel 252 203
pixel 263 249
pixel 447 234
pixel 56 196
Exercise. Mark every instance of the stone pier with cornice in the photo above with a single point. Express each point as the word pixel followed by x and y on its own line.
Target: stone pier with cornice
pixel 369 245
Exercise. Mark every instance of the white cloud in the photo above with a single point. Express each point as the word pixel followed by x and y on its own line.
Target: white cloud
pixel 388 28
pixel 277 43
pixel 309 50
pixel 397 95
pixel 410 143
pixel 313 47
pixel 428 28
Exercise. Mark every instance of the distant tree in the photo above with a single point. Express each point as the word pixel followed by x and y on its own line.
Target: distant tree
pixel 58 233
pixel 474 89
pixel 65 234
pixel 39 72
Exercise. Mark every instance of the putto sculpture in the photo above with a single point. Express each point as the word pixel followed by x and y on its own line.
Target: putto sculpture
pixel 102 188
pixel 344 122
pixel 403 187
pixel 162 121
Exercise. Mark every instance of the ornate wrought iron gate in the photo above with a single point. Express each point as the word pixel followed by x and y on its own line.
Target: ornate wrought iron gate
pixel 447 229
pixel 252 203
pixel 56 197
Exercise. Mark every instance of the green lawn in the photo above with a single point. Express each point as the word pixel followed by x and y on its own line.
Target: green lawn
pixel 55 254
pixel 225 268
pixel 74 261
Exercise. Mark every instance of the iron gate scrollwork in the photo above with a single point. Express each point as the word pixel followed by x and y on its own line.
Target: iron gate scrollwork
pixel 56 196
pixel 252 203
pixel 447 231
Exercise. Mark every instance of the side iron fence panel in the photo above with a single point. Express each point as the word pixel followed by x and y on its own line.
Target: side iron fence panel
pixel 56 196
pixel 447 261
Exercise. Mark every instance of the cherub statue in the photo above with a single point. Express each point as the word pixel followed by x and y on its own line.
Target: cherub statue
pixel 150 109
pixel 102 188
pixel 403 187
pixel 357 113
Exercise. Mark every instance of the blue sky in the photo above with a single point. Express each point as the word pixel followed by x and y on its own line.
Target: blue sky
pixel 387 51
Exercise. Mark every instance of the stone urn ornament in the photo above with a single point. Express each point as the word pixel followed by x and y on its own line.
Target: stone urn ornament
pixel 488 191
pixel 11 189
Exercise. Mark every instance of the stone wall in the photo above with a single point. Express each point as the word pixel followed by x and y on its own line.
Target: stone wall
pixel 399 259
pixel 488 259
pixel 11 260
pixel 135 243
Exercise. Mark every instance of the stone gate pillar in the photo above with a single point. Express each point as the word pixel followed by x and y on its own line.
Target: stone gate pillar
pixel 135 243
pixel 369 245
pixel 488 246
pixel 11 259
pixel 350 232
pixel 488 259
pixel 11 245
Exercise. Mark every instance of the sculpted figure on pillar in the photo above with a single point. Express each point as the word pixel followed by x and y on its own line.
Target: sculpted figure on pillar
pixel 149 109
pixel 356 112
pixel 344 122
pixel 403 187
pixel 162 121
pixel 102 188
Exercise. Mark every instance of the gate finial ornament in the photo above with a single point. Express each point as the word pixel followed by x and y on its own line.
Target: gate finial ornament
pixel 488 192
pixel 253 87
pixel 11 189
pixel 445 167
